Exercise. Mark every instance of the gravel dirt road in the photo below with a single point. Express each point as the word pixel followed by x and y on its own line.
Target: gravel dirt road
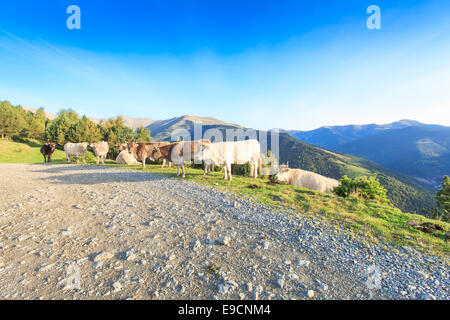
pixel 92 232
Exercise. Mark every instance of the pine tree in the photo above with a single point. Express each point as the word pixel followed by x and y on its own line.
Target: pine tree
pixel 443 201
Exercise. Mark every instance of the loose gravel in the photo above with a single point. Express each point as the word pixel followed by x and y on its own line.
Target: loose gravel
pixel 92 232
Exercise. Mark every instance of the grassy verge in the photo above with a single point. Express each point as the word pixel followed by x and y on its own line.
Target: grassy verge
pixel 379 222
pixel 14 152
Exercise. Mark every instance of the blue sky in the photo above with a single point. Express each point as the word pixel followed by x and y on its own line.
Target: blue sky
pixel 262 64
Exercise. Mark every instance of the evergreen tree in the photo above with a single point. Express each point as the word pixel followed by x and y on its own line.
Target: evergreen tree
pixel 58 129
pixel 443 201
pixel 142 135
pixel 83 131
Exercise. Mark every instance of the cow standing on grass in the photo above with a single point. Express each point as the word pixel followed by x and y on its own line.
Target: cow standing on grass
pixel 47 151
pixel 77 150
pixel 180 152
pixel 306 179
pixel 101 150
pixel 233 152
pixel 143 150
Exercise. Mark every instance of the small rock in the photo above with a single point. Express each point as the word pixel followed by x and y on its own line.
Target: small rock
pixel 323 287
pixel 102 256
pixel 180 289
pixel 225 240
pixel 280 283
pixel 311 294
pixel 117 286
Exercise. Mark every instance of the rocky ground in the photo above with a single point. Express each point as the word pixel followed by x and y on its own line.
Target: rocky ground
pixel 89 232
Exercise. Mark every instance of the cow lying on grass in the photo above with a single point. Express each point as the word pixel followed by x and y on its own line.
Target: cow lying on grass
pixel 233 152
pixel 143 150
pixel 47 151
pixel 100 150
pixel 179 152
pixel 305 179
pixel 76 149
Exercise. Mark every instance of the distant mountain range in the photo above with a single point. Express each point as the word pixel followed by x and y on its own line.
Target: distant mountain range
pixel 419 150
pixel 163 129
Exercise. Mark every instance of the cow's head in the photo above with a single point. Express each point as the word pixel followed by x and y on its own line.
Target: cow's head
pixel 132 148
pixel 156 153
pixel 283 173
pixel 122 146
pixel 52 146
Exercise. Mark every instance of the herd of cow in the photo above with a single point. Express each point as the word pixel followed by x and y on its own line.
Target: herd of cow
pixel 222 154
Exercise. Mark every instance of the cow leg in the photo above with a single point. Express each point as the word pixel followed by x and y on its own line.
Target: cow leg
pixel 45 159
pixel 98 160
pixel 164 163
pixel 255 169
pixel 251 169
pixel 229 172
pixel 77 160
pixel 182 169
pixel 226 172
pixel 84 158
pixel 68 158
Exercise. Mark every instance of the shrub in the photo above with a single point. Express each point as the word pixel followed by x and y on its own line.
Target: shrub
pixel 363 187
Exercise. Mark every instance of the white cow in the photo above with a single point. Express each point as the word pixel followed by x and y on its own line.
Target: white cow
pixel 233 152
pixel 125 157
pixel 306 179
pixel 101 150
pixel 76 149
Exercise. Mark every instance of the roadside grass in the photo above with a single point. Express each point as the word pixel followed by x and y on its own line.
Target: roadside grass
pixel 14 152
pixel 377 221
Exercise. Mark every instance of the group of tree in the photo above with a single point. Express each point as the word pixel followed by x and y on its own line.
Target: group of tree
pixel 19 123
pixel 68 126
pixel 370 188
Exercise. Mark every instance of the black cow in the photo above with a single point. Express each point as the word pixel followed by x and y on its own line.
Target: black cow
pixel 47 150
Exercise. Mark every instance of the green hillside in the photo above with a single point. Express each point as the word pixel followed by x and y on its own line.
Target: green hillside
pixel 14 152
pixel 421 152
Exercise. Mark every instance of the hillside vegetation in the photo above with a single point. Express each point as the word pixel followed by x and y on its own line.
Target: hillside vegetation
pixel 422 152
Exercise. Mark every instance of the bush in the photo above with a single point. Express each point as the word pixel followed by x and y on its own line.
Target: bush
pixel 90 157
pixel 363 187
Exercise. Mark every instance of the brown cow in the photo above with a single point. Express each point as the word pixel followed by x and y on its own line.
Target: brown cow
pixel 179 152
pixel 143 150
pixel 47 151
